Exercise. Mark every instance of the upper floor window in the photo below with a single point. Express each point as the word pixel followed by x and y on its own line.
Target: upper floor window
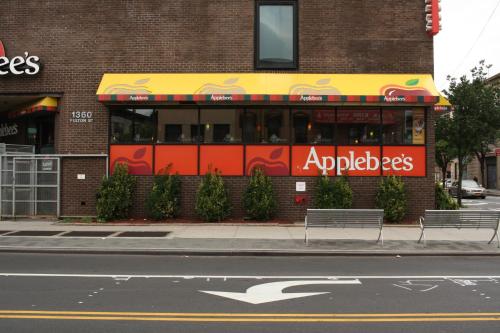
pixel 276 34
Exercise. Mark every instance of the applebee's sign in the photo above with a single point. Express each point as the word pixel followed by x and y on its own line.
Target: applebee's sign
pixel 351 162
pixel 359 160
pixel 18 65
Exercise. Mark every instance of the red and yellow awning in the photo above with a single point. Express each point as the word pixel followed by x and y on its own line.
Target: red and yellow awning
pixel 443 105
pixel 46 104
pixel 268 87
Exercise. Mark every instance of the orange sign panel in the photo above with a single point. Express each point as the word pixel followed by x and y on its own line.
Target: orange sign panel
pixel 313 160
pixel 139 158
pixel 404 161
pixel 227 159
pixel 275 160
pixel 182 159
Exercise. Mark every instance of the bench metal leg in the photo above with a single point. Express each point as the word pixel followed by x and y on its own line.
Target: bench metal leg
pixel 380 237
pixel 306 238
pixel 422 234
pixel 495 235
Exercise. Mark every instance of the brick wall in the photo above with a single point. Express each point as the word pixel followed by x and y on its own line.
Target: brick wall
pixel 79 41
pixel 78 197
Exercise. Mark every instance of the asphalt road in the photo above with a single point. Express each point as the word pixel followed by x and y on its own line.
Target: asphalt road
pixel 87 293
pixel 490 202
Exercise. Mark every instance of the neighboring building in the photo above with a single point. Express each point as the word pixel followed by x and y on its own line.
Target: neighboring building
pixel 492 167
pixel 300 87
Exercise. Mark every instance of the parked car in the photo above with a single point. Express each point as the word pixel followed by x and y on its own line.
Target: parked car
pixel 470 189
pixel 447 183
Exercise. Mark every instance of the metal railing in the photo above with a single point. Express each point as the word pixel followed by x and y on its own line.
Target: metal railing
pixel 30 185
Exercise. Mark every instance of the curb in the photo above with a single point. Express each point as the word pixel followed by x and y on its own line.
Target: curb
pixel 241 252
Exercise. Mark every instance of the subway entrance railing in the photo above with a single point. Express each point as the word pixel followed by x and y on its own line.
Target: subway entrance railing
pixel 30 184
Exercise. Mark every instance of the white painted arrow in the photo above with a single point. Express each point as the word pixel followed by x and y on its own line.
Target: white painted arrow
pixel 273 291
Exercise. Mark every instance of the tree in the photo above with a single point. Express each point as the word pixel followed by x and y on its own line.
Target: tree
pixel 476 116
pixel 445 151
pixel 488 114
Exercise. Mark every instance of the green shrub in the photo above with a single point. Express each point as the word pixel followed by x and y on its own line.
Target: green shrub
pixel 259 200
pixel 444 199
pixel 391 197
pixel 114 197
pixel 212 201
pixel 332 194
pixel 164 200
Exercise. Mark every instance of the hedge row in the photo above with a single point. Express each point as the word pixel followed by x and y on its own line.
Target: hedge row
pixel 114 198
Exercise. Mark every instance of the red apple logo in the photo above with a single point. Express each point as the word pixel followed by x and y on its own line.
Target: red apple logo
pixel 410 88
pixel 2 50
pixel 136 166
pixel 271 166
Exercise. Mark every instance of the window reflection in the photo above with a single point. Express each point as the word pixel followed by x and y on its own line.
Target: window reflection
pixel 403 126
pixel 347 126
pixel 132 125
pixel 313 126
pixel 221 125
pixel 358 126
pixel 266 126
pixel 177 125
pixel 276 34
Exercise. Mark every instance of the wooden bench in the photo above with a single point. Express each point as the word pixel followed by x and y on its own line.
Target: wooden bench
pixel 344 218
pixel 460 219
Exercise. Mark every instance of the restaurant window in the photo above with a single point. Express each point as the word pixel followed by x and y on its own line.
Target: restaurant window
pixel 276 34
pixel 132 125
pixel 358 126
pixel 221 125
pixel 266 126
pixel 197 133
pixel 313 126
pixel 177 126
pixel 403 126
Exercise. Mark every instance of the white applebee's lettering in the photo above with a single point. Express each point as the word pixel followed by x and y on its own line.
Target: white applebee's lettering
pixel 360 163
pixel 18 65
pixel 8 129
pixel 218 98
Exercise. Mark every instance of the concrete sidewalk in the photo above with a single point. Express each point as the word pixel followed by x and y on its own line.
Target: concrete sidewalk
pixel 241 239
pixel 495 193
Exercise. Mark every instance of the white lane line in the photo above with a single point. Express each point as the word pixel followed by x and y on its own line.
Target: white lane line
pixel 114 276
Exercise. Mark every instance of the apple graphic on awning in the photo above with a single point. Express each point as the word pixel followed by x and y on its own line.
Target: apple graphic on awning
pixel 410 88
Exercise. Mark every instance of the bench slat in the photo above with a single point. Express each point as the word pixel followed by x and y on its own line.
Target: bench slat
pixel 461 219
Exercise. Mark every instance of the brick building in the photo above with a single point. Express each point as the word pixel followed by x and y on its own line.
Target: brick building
pixel 291 85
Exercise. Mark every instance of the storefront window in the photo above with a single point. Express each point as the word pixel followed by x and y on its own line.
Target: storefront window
pixel 313 126
pixel 403 126
pixel 132 126
pixel 221 125
pixel 178 126
pixel 358 126
pixel 266 126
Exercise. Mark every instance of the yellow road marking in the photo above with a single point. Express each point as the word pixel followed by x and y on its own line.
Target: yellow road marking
pixel 275 320
pixel 218 314
pixel 250 317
